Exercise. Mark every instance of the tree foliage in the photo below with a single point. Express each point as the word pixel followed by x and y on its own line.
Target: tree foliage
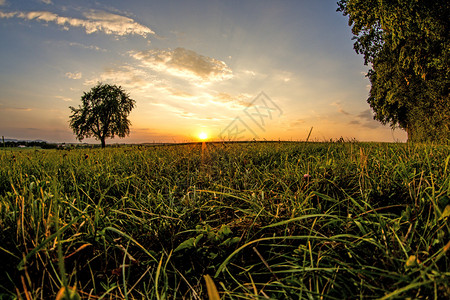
pixel 406 43
pixel 102 114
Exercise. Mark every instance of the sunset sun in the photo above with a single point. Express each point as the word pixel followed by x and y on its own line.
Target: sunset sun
pixel 202 136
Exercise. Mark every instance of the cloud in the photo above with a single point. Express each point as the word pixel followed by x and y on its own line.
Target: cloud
pixel 147 86
pixel 297 123
pixel 183 112
pixel 2 2
pixel 365 119
pixel 8 108
pixel 366 115
pixel 234 102
pixel 65 99
pixel 9 15
pixel 339 108
pixel 95 21
pixel 179 93
pixel 90 47
pixel 129 77
pixel 250 72
pixel 49 2
pixel 283 76
pixel 77 75
pixel 185 63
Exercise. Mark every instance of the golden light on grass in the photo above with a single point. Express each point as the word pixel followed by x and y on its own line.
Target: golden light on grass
pixel 203 136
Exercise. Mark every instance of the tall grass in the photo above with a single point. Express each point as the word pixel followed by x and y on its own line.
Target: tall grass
pixel 259 220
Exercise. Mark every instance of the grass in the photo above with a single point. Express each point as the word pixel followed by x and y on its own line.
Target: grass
pixel 254 221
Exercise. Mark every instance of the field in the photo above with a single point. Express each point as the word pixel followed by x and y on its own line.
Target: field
pixel 263 220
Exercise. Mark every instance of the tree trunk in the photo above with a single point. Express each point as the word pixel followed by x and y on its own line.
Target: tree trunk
pixel 102 139
pixel 408 134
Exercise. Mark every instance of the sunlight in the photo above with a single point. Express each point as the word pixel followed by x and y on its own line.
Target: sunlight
pixel 202 136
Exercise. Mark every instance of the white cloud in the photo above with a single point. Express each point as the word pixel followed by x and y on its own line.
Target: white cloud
pixel 96 21
pixel 186 113
pixel 249 72
pixel 65 99
pixel 91 47
pixel 185 63
pixel 49 2
pixel 77 75
pixel 284 76
pixel 129 77
pixel 115 24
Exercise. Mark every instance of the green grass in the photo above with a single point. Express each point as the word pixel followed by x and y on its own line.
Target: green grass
pixel 370 221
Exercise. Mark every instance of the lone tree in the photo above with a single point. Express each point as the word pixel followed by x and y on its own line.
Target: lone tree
pixel 103 113
pixel 406 44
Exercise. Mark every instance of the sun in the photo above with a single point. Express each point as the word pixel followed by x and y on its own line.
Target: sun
pixel 202 136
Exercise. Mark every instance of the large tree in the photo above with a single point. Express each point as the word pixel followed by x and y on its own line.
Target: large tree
pixel 102 114
pixel 406 44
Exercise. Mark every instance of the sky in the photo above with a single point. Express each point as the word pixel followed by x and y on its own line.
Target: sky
pixel 232 70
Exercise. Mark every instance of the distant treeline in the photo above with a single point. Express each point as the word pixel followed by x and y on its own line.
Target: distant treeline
pixel 40 144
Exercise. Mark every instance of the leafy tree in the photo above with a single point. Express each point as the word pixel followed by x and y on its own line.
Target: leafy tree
pixel 103 113
pixel 406 43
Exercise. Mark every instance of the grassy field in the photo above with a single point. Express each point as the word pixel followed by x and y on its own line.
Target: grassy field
pixel 263 220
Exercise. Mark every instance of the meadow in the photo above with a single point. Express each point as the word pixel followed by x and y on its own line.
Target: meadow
pixel 258 220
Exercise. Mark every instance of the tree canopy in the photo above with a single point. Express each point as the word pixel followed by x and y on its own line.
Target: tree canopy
pixel 406 43
pixel 102 114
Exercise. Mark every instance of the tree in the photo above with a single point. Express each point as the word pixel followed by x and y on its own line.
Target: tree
pixel 406 43
pixel 103 113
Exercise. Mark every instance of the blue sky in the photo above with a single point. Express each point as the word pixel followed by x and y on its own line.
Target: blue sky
pixel 191 66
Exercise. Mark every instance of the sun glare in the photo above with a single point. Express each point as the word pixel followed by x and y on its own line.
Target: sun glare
pixel 203 136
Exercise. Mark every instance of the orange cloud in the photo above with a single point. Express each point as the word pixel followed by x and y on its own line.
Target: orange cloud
pixel 100 21
pixel 185 63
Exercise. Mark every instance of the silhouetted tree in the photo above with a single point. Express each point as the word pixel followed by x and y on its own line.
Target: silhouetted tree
pixel 103 113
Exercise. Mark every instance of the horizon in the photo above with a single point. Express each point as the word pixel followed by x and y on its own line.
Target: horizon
pixel 193 67
pixel 186 142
